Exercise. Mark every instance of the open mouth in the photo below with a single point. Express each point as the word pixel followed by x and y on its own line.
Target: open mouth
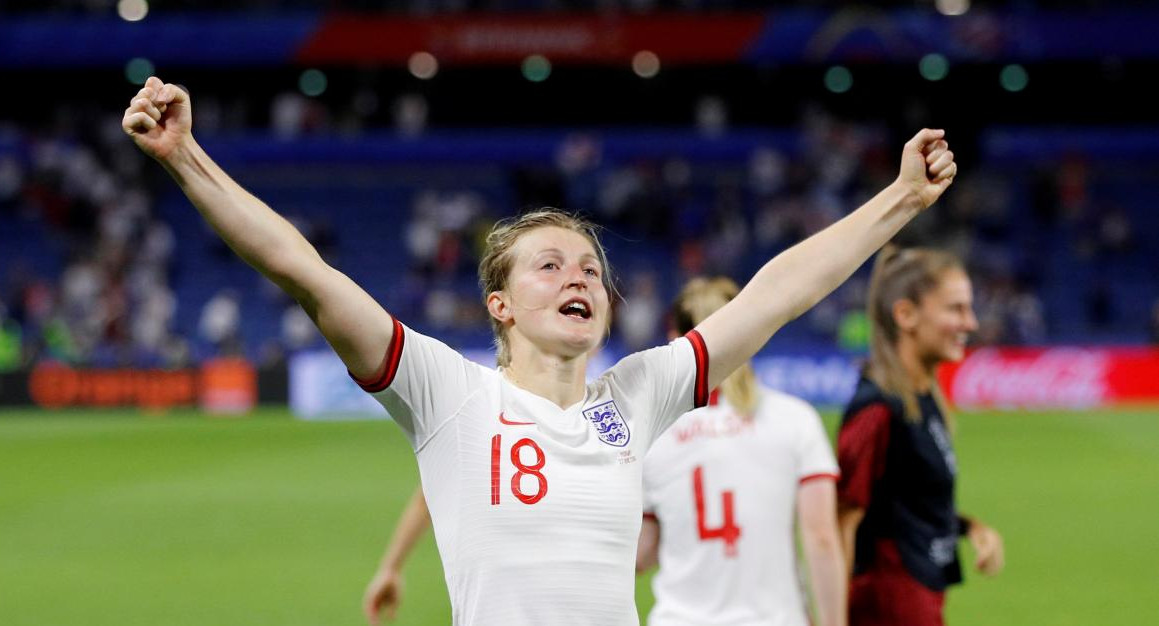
pixel 576 308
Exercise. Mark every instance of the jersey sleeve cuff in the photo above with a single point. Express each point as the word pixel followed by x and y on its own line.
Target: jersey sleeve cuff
pixel 700 353
pixel 390 362
pixel 818 476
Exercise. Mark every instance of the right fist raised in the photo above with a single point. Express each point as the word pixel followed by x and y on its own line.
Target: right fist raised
pixel 159 118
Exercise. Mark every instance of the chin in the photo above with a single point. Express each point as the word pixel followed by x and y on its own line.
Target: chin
pixel 575 345
pixel 954 354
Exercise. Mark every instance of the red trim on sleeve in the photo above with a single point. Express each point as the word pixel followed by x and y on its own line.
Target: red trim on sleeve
pixel 805 479
pixel 700 352
pixel 861 453
pixel 390 363
pixel 650 515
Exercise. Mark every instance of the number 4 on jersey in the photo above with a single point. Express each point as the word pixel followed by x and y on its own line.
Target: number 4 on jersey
pixel 728 531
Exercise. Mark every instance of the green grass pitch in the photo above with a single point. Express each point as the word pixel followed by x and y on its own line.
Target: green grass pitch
pixel 123 518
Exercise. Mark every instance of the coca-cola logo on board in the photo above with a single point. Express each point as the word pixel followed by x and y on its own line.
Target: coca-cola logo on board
pixel 1051 378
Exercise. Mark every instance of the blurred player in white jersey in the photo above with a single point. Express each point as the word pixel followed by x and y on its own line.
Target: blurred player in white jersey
pixel 532 475
pixel 722 490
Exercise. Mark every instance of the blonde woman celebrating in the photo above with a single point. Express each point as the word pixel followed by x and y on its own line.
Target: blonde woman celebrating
pixel 531 474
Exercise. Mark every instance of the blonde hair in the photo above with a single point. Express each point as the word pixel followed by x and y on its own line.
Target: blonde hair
pixel 902 274
pixel 495 266
pixel 699 298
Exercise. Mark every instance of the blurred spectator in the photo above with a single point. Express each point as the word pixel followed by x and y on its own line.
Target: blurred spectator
pixel 298 330
pixel 220 322
pixel 638 318
pixel 410 115
pixel 117 270
pixel 711 116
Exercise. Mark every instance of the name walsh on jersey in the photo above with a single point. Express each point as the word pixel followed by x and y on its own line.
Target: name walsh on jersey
pixel 692 427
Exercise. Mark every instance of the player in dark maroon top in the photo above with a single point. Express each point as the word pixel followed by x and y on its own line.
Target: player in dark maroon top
pixel 896 493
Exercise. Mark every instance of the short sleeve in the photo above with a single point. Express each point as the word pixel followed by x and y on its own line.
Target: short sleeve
pixel 663 383
pixel 815 458
pixel 421 382
pixel 861 453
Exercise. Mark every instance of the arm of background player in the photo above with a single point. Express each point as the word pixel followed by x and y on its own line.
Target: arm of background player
pixel 384 593
pixel 160 120
pixel 648 550
pixel 816 517
pixel 801 276
pixel 848 519
pixel 989 552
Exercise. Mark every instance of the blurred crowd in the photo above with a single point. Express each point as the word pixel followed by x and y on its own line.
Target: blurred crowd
pixel 89 275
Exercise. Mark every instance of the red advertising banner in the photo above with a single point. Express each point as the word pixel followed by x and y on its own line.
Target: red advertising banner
pixel 1053 378
pixel 482 39
pixel 220 386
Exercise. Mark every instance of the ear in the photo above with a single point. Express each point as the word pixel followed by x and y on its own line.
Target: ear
pixel 905 314
pixel 497 306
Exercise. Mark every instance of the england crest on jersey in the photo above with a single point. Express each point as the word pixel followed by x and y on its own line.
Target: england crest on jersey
pixel 610 426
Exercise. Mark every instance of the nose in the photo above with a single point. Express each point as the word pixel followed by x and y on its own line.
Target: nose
pixel 578 278
pixel 971 321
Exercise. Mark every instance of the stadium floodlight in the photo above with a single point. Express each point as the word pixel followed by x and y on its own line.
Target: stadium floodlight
pixel 312 83
pixel 132 10
pixel 646 64
pixel 952 7
pixel 934 67
pixel 138 70
pixel 1014 78
pixel 423 65
pixel 838 79
pixel 536 68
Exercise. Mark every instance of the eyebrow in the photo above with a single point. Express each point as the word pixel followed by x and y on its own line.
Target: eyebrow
pixel 583 257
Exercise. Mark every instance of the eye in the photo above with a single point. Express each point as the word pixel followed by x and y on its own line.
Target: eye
pixel 591 271
pixel 550 265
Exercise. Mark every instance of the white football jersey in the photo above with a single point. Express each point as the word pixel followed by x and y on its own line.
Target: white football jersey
pixel 724 490
pixel 536 509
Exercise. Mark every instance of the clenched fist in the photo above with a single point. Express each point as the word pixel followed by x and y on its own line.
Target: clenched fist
pixel 927 165
pixel 159 118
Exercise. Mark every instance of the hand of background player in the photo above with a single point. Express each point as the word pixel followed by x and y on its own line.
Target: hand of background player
pixel 383 595
pixel 927 165
pixel 989 555
pixel 159 118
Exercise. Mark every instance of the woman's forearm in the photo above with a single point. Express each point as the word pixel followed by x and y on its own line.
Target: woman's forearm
pixel 258 235
pixel 801 276
pixel 828 578
pixel 795 280
pixel 411 526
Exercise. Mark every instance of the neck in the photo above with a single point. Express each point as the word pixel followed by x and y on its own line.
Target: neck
pixel 556 378
pixel 918 370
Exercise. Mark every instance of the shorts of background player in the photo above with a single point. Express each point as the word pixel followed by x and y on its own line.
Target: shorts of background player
pixel 887 595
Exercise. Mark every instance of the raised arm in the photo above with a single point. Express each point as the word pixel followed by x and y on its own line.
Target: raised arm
pixel 817 520
pixel 801 276
pixel 160 120
pixel 384 593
